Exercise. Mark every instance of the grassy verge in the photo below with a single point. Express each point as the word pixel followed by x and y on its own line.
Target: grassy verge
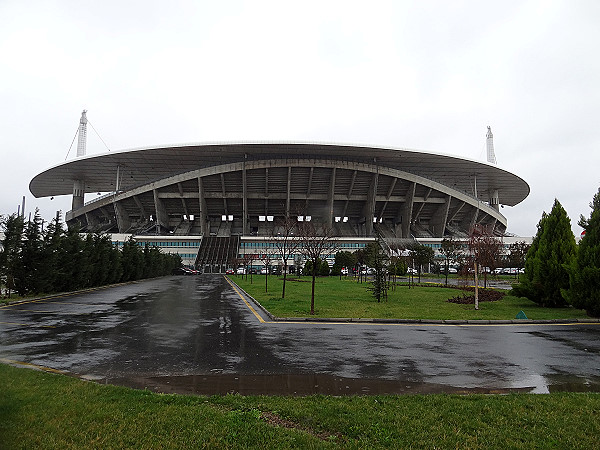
pixel 347 298
pixel 14 297
pixel 40 410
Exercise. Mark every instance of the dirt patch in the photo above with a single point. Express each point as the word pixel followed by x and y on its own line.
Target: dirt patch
pixel 299 280
pixel 276 421
pixel 485 295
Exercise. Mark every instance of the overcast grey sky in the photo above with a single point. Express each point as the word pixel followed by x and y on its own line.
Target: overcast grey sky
pixel 428 75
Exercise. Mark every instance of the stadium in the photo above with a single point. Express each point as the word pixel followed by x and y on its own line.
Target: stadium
pixel 213 200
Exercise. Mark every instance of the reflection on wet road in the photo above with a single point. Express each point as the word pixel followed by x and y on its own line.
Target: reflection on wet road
pixel 196 335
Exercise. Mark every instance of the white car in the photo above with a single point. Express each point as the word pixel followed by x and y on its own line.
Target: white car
pixel 241 271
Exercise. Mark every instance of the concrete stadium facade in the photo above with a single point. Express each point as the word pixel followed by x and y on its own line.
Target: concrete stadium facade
pixel 243 189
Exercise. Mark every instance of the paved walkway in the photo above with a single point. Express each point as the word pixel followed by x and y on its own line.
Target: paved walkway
pixel 200 335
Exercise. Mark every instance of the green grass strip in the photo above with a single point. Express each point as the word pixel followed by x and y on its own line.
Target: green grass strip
pixel 42 410
pixel 346 298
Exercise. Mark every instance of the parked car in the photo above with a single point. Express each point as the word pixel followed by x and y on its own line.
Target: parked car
pixel 241 271
pixel 263 271
pixel 185 271
pixel 229 271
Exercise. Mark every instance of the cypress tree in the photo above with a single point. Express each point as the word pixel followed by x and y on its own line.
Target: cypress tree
pixel 552 250
pixel 32 262
pixel 584 271
pixel 115 259
pixel 74 262
pixel 53 244
pixel 378 259
pixel 10 254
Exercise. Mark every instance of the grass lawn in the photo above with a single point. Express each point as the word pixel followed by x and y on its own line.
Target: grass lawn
pixel 346 298
pixel 41 410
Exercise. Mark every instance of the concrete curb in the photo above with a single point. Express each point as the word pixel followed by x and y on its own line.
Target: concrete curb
pixel 67 294
pixel 256 303
pixel 412 321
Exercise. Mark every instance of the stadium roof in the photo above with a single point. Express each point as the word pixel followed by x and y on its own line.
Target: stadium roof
pixel 141 166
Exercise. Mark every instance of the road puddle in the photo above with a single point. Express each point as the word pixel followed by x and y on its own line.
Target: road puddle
pixel 288 384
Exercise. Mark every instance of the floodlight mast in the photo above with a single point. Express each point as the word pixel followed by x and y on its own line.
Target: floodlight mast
pixel 82 135
pixel 491 156
pixel 79 185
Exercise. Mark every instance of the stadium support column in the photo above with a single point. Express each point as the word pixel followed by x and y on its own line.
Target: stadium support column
pixel 123 220
pixel 440 218
pixel 470 218
pixel 369 208
pixel 329 217
pixel 289 188
pixel 140 206
pixel 203 217
pixel 78 194
pixel 162 218
pixel 408 209
pixel 494 200
pixel 245 230
pixel 92 221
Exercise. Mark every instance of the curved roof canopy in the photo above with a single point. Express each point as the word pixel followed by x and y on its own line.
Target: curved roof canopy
pixel 141 166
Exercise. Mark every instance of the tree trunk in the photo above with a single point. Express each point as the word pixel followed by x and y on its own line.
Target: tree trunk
pixel 476 287
pixel 312 295
pixel 284 277
pixel 447 272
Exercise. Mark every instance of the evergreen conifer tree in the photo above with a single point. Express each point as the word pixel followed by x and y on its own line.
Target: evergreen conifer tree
pixel 10 254
pixel 584 271
pixel 378 259
pixel 32 262
pixel 53 245
pixel 551 251
pixel 74 262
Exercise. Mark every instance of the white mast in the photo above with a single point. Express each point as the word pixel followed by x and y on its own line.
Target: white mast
pixel 79 185
pixel 82 135
pixel 491 157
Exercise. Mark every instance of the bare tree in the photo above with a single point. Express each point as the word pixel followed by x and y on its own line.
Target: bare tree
pixel 484 248
pixel 267 258
pixel 316 242
pixel 248 259
pixel 421 255
pixel 235 263
pixel 360 261
pixel 398 264
pixel 286 241
pixel 517 254
pixel 449 248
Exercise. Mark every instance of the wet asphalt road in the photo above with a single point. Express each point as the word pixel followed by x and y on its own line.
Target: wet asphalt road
pixel 197 335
